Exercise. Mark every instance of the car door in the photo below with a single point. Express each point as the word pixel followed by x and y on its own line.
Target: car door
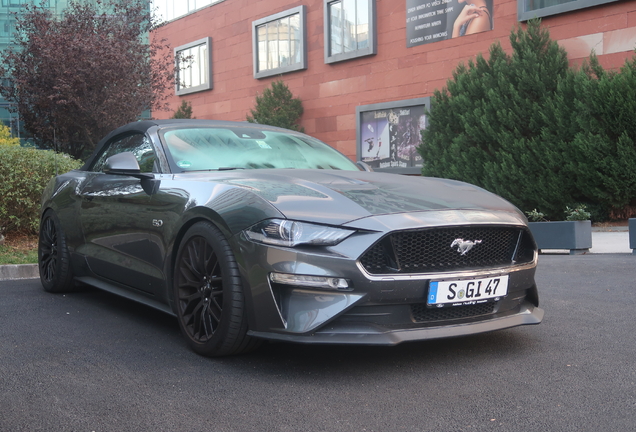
pixel 117 214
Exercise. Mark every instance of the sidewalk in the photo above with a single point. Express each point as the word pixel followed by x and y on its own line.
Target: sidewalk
pixel 614 241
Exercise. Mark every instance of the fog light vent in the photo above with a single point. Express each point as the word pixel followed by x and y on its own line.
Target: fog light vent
pixel 324 282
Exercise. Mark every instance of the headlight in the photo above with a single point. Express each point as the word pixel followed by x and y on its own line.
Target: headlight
pixel 282 232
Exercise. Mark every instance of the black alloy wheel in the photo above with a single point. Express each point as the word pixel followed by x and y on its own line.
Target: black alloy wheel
pixel 200 290
pixel 208 294
pixel 54 265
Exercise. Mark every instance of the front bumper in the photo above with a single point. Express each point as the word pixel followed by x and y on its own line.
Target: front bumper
pixel 375 309
pixel 375 335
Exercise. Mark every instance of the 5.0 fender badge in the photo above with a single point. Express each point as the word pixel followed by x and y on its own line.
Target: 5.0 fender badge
pixel 157 223
pixel 463 246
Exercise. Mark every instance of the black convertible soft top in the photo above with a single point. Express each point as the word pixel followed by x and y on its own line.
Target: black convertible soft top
pixel 143 126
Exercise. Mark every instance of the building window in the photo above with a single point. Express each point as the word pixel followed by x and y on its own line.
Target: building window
pixel 279 43
pixel 350 29
pixel 528 9
pixel 194 71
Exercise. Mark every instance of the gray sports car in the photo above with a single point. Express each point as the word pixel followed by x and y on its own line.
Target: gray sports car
pixel 248 233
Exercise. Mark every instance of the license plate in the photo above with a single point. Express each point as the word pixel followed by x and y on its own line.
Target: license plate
pixel 467 291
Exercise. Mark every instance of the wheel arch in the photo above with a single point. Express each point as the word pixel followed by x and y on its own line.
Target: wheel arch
pixel 194 216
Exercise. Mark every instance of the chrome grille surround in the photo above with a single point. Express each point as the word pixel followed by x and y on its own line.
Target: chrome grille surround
pixel 430 250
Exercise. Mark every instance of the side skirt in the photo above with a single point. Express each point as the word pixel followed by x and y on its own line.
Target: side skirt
pixel 126 293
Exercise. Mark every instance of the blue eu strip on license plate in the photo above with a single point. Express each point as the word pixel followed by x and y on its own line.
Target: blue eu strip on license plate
pixel 432 292
pixel 466 291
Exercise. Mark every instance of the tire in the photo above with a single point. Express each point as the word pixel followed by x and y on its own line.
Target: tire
pixel 208 294
pixel 54 263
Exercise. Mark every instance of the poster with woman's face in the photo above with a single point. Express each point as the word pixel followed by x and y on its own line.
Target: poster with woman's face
pixel 389 138
pixel 435 20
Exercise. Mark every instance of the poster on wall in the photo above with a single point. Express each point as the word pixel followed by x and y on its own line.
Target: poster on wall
pixel 389 135
pixel 435 20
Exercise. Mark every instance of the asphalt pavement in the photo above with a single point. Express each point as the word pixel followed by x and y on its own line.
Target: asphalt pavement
pixel 91 361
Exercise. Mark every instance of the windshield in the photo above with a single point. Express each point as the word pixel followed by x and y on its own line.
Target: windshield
pixel 219 148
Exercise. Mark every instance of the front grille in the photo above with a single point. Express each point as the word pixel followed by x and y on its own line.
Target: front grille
pixel 429 250
pixel 421 313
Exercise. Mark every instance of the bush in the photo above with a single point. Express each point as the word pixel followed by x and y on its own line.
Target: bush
pixel 487 126
pixel 577 213
pixel 184 111
pixel 5 137
pixel 24 172
pixel 603 151
pixel 528 127
pixel 277 107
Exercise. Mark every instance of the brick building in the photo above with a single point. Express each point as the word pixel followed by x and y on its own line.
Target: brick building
pixel 349 58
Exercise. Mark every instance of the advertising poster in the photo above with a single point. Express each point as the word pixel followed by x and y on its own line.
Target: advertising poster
pixel 435 20
pixel 389 137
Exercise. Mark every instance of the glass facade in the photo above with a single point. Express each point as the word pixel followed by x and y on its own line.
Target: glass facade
pixel 167 10
pixel 8 9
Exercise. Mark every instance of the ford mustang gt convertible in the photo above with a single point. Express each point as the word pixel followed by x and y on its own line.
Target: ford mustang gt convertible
pixel 247 233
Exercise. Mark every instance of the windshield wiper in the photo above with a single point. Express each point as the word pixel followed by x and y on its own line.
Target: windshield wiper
pixel 219 169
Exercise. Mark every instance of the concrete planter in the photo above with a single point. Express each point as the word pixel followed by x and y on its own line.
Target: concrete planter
pixel 631 223
pixel 573 235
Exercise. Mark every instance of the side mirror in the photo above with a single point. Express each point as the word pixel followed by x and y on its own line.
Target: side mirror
pixel 125 164
pixel 364 166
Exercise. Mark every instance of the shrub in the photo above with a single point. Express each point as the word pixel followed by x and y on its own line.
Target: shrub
pixel 577 213
pixel 277 107
pixel 487 126
pixel 535 131
pixel 184 111
pixel 603 151
pixel 5 137
pixel 535 215
pixel 24 172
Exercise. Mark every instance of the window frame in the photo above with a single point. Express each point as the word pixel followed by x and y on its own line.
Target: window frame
pixel 302 64
pixel 523 15
pixel 207 41
pixel 371 49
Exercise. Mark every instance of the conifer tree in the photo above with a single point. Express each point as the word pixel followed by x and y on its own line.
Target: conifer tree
pixel 488 126
pixel 603 151
pixel 277 107
pixel 184 111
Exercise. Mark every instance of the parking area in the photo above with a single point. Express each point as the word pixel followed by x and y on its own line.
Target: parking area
pixel 90 361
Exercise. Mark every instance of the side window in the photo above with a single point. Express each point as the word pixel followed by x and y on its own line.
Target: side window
pixel 138 144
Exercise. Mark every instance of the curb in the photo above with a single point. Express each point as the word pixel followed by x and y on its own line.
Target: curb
pixel 19 271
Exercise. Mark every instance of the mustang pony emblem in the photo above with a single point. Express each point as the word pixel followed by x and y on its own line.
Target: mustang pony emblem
pixel 463 246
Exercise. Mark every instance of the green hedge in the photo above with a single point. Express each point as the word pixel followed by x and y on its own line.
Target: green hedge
pixel 24 172
pixel 535 131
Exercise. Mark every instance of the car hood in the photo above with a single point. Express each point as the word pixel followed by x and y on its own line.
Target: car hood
pixel 338 197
